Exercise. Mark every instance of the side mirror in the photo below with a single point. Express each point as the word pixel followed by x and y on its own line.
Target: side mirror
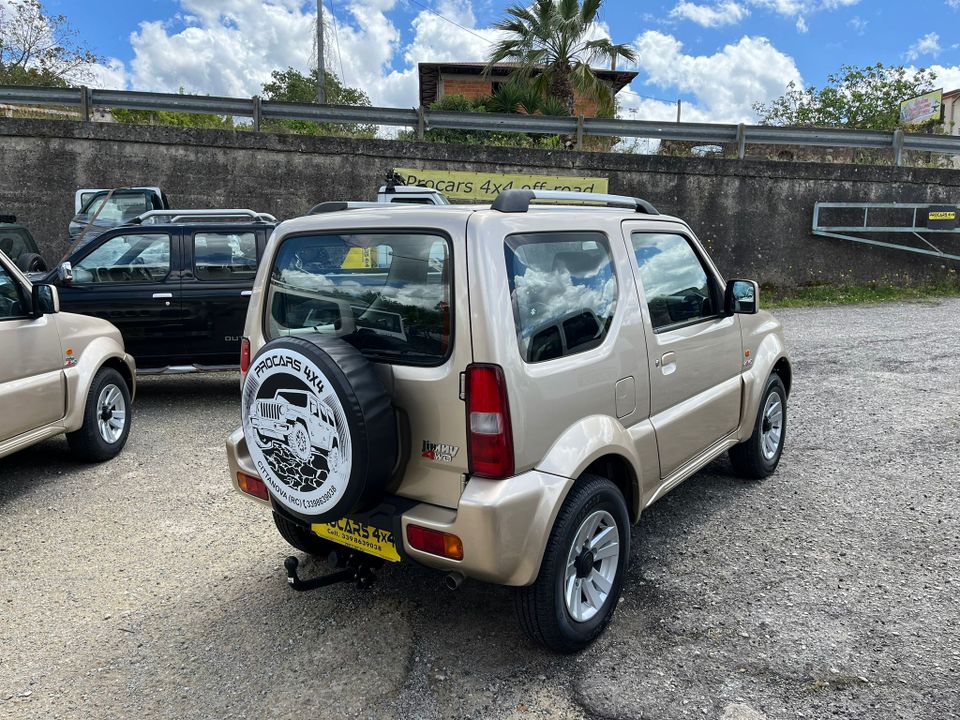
pixel 65 273
pixel 45 300
pixel 742 297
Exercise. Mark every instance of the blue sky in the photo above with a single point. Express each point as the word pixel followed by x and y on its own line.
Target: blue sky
pixel 719 56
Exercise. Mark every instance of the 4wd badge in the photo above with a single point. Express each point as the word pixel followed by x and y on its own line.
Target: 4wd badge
pixel 439 451
pixel 296 431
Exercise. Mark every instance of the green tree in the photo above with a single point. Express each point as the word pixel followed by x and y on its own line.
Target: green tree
pixel 37 48
pixel 866 98
pixel 293 86
pixel 550 42
pixel 174 119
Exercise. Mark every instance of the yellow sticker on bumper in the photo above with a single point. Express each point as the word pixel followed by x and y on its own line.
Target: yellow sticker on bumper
pixel 356 535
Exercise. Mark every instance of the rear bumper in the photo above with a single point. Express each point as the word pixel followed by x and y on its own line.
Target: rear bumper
pixel 503 524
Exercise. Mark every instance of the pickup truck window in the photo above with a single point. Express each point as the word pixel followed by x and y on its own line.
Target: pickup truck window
pixel 118 208
pixel 387 294
pixel 225 256
pixel 126 258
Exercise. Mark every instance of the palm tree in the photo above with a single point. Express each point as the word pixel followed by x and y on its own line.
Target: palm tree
pixel 549 42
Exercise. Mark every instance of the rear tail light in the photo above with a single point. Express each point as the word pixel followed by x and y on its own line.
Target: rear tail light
pixel 435 542
pixel 244 357
pixel 489 433
pixel 252 485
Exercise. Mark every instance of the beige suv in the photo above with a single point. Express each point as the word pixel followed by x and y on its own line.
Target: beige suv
pixel 510 386
pixel 59 373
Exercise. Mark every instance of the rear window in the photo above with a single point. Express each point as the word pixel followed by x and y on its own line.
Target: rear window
pixel 387 294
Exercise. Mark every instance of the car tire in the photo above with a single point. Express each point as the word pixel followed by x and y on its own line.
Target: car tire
pixel 107 414
pixel 303 539
pixel 328 373
pixel 758 456
pixel 556 610
pixel 31 262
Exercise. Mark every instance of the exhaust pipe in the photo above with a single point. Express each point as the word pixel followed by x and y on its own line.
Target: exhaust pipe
pixel 453 580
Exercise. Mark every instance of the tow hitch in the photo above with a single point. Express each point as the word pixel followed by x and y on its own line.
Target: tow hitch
pixel 354 569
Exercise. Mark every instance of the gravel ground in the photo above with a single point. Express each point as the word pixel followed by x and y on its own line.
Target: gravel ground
pixel 146 588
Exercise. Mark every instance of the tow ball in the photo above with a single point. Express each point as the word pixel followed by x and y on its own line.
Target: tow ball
pixel 354 571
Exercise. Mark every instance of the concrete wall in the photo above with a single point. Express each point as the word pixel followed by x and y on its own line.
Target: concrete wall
pixel 754 216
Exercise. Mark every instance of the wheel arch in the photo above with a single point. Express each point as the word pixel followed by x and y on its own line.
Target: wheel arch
pixel 600 445
pixel 102 352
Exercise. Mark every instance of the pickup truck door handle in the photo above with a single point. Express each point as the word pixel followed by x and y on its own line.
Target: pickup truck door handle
pixel 162 295
pixel 246 293
pixel 668 363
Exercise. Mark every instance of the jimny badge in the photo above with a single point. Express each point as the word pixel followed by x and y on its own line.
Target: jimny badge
pixel 439 451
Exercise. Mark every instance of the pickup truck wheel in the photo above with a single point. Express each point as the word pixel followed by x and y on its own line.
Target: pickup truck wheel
pixel 302 539
pixel 321 387
pixel 106 418
pixel 577 590
pixel 758 456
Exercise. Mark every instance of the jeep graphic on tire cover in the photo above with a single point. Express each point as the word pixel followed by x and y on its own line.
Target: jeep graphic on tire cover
pixel 319 426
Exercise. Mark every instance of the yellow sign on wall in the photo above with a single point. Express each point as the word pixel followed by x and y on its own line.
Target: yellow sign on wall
pixel 484 187
pixel 919 110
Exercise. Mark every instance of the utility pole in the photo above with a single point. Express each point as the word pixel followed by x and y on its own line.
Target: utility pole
pixel 321 71
pixel 679 105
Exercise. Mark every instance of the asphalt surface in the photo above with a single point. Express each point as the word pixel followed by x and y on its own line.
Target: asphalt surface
pixel 145 587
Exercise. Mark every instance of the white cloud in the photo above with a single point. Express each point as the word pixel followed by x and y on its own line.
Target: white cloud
pixel 109 75
pixel 800 10
pixel 929 44
pixel 725 84
pixel 948 77
pixel 726 12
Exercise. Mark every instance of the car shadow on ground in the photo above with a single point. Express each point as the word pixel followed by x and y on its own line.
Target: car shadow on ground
pixel 406 639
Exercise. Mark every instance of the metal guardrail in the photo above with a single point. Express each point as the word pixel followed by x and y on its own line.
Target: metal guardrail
pixel 87 99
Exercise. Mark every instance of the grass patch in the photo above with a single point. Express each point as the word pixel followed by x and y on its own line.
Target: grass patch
pixel 775 298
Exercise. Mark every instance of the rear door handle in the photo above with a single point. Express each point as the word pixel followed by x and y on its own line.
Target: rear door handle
pixel 246 293
pixel 162 295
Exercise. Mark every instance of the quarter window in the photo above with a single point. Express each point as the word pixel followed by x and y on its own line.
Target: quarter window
pixel 126 258
pixel 563 290
pixel 677 287
pixel 225 256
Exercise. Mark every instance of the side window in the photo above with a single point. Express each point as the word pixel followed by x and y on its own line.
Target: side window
pixel 11 296
pixel 563 290
pixel 13 243
pixel 126 258
pixel 225 256
pixel 677 287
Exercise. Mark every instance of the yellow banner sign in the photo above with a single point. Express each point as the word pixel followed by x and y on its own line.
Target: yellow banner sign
pixel 484 187
pixel 919 110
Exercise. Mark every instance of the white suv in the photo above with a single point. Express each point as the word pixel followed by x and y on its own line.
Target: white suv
pixel 512 385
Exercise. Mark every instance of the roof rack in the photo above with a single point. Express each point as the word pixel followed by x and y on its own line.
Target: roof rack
pixel 518 201
pixel 172 216
pixel 338 205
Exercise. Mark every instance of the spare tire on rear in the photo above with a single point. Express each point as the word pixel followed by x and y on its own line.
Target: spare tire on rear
pixel 319 426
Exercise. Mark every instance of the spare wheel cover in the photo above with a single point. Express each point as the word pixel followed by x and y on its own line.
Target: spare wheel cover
pixel 319 426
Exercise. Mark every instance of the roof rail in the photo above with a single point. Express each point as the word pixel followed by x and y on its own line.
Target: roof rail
pixel 172 215
pixel 518 201
pixel 338 205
